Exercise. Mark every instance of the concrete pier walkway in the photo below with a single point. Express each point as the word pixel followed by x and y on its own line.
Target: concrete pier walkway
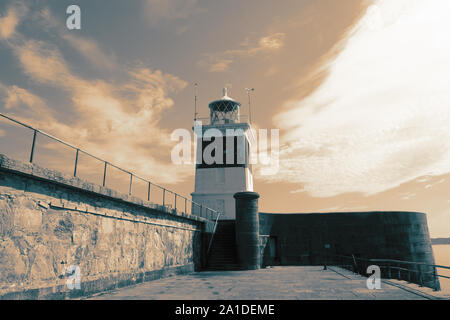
pixel 287 283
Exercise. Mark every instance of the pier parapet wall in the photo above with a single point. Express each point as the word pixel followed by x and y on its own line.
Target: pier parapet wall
pixel 50 222
pixel 319 238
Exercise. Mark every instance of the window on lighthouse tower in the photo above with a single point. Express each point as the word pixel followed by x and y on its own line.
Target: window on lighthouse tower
pixel 238 147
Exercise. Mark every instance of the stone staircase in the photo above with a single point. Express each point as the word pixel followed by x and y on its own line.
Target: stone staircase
pixel 222 255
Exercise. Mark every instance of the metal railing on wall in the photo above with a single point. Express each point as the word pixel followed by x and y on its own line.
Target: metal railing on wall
pixel 179 202
pixel 423 274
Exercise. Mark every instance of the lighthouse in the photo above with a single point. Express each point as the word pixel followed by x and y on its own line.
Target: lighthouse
pixel 223 150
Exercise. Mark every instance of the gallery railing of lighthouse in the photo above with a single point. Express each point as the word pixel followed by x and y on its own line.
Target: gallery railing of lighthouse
pixel 177 202
pixel 207 120
pixel 421 273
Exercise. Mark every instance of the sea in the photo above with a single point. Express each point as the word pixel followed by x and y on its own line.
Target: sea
pixel 442 257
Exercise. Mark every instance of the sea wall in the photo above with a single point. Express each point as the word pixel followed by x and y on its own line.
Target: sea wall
pixel 52 225
pixel 301 239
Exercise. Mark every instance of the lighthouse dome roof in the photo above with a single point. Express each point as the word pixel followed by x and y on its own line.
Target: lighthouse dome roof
pixel 224 104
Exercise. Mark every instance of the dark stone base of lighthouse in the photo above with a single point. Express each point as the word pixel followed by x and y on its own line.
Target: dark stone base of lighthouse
pixel 247 230
pixel 257 239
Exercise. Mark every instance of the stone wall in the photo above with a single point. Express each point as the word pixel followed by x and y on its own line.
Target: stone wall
pixel 49 222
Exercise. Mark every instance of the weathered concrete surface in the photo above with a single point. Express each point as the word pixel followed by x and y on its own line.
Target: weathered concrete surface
pixel 287 283
pixel 49 222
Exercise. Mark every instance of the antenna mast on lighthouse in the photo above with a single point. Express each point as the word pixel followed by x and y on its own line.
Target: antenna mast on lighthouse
pixel 195 101
pixel 249 105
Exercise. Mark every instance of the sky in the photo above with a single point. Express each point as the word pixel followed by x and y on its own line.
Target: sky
pixel 357 88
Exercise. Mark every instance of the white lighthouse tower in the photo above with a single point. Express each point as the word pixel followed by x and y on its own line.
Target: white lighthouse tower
pixel 223 153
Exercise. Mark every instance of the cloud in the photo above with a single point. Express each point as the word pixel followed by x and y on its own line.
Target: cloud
pixel 430 185
pixel 380 118
pixel 160 10
pixel 29 108
pixel 221 61
pixel 8 25
pixel 275 41
pixel 44 63
pixel 214 64
pixel 91 51
pixel 10 21
pixel 23 102
pixel 407 195
pixel 118 121
pixel 86 47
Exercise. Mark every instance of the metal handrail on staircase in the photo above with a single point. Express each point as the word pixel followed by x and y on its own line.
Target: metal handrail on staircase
pixel 213 233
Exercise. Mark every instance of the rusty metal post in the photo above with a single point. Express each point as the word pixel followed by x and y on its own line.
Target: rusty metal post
pixel 131 183
pixel 104 174
pixel 76 163
pixel 32 146
pixel 437 286
pixel 355 265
